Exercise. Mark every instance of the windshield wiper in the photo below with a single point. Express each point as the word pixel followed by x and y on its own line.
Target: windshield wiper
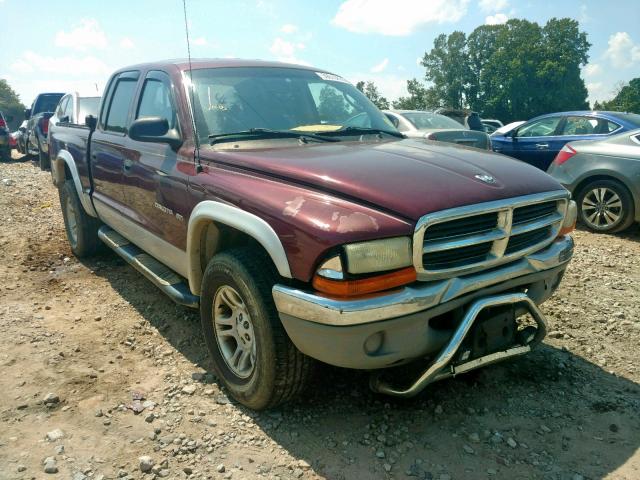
pixel 267 133
pixel 361 131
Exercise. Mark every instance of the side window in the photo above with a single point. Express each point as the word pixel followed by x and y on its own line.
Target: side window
pixel 61 106
pixel 636 138
pixel 67 110
pixel 395 122
pixel 580 126
pixel 120 102
pixel 607 126
pixel 156 101
pixel 545 127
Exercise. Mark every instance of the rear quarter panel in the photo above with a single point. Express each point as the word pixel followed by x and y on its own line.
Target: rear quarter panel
pixel 73 139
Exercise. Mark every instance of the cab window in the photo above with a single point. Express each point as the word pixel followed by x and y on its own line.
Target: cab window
pixel 156 101
pixel 119 108
pixel 544 127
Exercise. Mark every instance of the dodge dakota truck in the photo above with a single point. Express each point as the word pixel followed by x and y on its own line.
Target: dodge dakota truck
pixel 283 204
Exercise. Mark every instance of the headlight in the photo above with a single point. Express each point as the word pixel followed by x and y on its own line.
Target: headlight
pixel 378 255
pixel 569 223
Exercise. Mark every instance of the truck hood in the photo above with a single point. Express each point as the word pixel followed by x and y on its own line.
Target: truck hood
pixel 408 178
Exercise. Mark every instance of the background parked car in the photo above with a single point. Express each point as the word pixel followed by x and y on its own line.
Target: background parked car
pixel 468 118
pixel 38 126
pixel 433 126
pixel 492 123
pixel 603 177
pixel 539 140
pixel 21 138
pixel 5 149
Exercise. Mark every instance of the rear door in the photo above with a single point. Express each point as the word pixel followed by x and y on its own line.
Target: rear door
pixel 154 185
pixel 535 143
pixel 110 150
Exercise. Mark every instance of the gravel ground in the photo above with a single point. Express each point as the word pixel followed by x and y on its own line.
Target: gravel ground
pixel 103 377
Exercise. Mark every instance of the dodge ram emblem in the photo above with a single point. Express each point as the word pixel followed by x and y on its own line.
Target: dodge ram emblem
pixel 486 178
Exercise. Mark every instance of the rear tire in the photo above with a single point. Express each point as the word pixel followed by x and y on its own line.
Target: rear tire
pixel 81 228
pixel 236 303
pixel 43 158
pixel 605 206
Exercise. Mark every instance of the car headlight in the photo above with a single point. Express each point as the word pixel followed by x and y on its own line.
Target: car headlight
pixel 569 223
pixel 390 260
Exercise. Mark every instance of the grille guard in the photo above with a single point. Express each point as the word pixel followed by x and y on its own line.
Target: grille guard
pixel 441 367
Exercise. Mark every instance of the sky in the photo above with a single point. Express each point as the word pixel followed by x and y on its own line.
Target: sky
pixel 73 46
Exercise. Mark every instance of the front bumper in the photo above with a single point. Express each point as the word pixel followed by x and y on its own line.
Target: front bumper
pixel 392 328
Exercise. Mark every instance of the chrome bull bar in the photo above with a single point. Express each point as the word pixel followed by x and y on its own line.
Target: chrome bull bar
pixel 441 367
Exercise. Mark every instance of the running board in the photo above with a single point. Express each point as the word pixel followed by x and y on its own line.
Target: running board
pixel 160 275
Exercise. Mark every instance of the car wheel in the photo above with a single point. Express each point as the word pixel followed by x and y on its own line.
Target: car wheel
pixel 43 158
pixel 605 206
pixel 82 229
pixel 252 355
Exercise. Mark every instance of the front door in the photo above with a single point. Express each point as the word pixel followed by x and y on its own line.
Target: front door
pixel 154 184
pixel 535 143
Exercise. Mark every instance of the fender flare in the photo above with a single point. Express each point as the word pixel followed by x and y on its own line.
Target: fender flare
pixel 211 211
pixel 57 174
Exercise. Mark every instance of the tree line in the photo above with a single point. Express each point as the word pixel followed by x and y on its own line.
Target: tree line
pixel 513 71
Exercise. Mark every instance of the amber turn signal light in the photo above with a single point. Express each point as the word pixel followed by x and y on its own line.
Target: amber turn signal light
pixel 362 286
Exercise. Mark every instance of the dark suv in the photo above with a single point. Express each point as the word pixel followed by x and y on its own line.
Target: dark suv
pixel 38 126
pixel 5 149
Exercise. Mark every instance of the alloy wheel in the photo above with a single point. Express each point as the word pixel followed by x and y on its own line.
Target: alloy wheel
pixel 602 208
pixel 234 331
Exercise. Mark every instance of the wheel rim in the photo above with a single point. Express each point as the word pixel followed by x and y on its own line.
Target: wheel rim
pixel 601 208
pixel 234 331
pixel 72 222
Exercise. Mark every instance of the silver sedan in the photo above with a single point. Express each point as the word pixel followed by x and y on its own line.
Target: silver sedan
pixel 604 178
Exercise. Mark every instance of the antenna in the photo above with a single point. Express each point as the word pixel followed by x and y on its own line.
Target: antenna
pixel 193 120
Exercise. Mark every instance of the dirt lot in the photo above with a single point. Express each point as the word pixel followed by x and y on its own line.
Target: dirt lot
pixel 82 342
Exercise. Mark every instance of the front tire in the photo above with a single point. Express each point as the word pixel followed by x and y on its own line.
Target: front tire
pixel 605 206
pixel 252 355
pixel 81 228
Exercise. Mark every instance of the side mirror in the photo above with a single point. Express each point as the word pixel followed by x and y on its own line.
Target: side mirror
pixel 64 119
pixel 154 129
pixel 27 113
pixel 90 121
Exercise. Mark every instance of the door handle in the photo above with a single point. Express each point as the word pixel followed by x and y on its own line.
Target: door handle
pixel 542 146
pixel 127 164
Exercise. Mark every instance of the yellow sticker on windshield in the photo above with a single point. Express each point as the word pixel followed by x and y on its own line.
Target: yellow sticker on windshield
pixel 320 127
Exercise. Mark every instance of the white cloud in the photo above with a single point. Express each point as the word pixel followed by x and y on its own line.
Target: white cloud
pixel 493 5
pixel 380 66
pixel 84 36
pixel 598 91
pixel 289 28
pixel 200 41
pixel 397 18
pixel 126 43
pixel 622 52
pixel 31 62
pixel 286 51
pixel 497 19
pixel 592 69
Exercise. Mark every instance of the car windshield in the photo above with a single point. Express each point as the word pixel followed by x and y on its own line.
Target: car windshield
pixel 239 99
pixel 426 120
pixel 47 103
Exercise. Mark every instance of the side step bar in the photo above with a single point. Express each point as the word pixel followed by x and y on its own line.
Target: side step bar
pixel 441 367
pixel 160 275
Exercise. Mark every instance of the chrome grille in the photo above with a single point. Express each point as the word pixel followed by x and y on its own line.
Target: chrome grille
pixel 467 239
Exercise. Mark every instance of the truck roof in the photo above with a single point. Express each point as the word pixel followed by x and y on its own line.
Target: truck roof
pixel 199 63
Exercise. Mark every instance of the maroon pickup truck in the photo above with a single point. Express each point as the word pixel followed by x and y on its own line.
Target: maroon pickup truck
pixel 283 204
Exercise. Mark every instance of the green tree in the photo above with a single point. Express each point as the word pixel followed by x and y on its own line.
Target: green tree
pixel 447 67
pixel 626 100
pixel 512 71
pixel 332 107
pixel 372 93
pixel 10 105
pixel 419 97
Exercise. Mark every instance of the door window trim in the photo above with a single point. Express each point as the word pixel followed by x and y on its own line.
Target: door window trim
pixel 564 122
pixel 104 113
pixel 161 76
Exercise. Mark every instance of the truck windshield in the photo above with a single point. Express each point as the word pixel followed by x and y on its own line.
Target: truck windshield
pixel 239 99
pixel 47 102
